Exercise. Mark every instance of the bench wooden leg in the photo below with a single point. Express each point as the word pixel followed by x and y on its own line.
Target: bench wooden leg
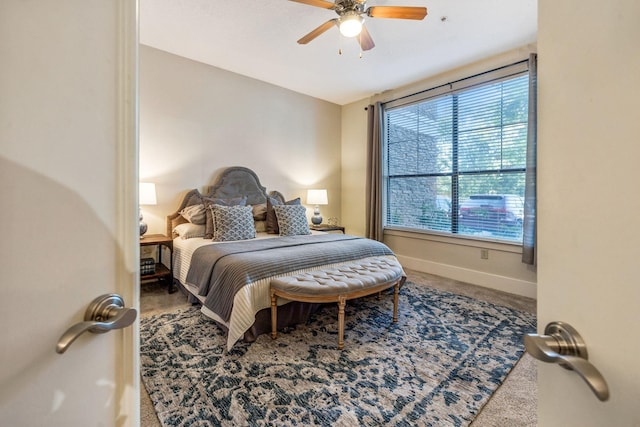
pixel 396 292
pixel 341 303
pixel 274 315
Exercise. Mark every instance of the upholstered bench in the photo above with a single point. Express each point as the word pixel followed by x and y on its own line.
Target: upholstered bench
pixel 339 284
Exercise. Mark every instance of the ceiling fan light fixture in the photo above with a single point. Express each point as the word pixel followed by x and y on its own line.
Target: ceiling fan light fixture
pixel 351 24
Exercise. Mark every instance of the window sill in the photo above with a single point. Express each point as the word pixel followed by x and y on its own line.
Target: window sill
pixel 484 243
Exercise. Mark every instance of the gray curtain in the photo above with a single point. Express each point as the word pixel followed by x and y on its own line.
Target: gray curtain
pixel 529 253
pixel 374 172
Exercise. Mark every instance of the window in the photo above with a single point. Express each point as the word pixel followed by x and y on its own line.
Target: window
pixel 455 157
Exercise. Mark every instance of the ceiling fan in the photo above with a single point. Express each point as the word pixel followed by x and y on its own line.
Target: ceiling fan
pixel 350 19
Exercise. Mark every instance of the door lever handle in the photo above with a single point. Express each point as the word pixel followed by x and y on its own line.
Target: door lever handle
pixel 562 344
pixel 105 313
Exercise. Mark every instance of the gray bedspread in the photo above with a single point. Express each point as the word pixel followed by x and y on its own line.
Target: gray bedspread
pixel 221 270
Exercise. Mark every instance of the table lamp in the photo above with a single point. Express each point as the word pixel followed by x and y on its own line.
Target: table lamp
pixel 147 196
pixel 317 198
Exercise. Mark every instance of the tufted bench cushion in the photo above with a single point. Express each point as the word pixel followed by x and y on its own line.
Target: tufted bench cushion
pixel 339 284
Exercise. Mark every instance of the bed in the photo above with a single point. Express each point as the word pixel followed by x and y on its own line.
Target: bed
pixel 231 241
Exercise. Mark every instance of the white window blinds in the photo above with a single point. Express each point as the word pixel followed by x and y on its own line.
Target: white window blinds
pixel 455 157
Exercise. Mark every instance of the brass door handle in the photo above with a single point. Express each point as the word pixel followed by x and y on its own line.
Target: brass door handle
pixel 562 344
pixel 104 314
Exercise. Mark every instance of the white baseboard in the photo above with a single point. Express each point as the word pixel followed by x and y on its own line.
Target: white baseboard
pixel 480 278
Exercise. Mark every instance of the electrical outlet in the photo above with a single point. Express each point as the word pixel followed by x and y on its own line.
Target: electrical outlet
pixel 484 253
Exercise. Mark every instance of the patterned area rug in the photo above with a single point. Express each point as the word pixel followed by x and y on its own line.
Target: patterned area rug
pixel 436 367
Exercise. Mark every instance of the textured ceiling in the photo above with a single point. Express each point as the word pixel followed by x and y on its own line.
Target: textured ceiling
pixel 257 38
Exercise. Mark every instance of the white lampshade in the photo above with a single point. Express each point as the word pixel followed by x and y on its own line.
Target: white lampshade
pixel 317 197
pixel 147 193
pixel 351 24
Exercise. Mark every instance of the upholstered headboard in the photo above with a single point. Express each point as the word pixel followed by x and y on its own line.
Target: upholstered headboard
pixel 236 181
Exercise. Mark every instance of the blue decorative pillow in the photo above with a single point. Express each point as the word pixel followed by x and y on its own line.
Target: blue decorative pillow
pixel 272 220
pixel 232 223
pixel 292 220
pixel 209 202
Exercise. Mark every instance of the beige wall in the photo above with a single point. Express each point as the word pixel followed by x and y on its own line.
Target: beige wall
pixel 196 120
pixel 454 258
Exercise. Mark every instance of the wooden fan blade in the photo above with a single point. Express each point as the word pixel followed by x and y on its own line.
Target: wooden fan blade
pixel 315 33
pixel 398 12
pixel 366 42
pixel 317 3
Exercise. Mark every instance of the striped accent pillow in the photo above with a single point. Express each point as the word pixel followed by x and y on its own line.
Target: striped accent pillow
pixel 232 223
pixel 260 212
pixel 292 220
pixel 195 214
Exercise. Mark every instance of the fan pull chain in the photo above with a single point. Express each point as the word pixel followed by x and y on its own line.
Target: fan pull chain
pixel 340 38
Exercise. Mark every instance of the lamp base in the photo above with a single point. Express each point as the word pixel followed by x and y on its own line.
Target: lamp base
pixel 143 225
pixel 316 219
pixel 143 229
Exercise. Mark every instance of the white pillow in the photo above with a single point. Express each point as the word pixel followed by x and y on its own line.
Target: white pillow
pixel 188 230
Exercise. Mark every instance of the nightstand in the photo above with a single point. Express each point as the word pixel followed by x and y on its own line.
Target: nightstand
pixel 162 273
pixel 327 228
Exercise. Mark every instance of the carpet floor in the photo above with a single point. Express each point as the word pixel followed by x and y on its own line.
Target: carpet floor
pixel 438 365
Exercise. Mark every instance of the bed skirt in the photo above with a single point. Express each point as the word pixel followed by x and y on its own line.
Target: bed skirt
pixel 289 315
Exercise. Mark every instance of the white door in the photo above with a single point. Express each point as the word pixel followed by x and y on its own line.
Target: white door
pixel 589 203
pixel 68 185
